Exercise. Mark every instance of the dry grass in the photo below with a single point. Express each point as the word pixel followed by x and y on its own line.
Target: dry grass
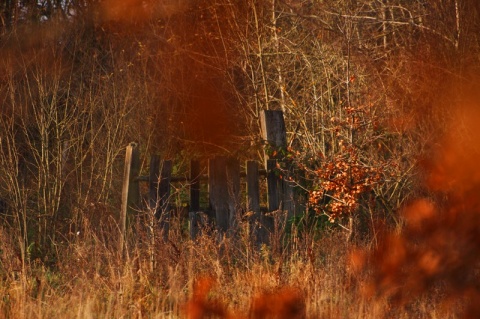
pixel 201 280
pixel 91 280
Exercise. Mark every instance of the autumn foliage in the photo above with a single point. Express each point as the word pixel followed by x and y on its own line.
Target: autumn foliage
pixel 282 303
pixel 439 247
pixel 341 182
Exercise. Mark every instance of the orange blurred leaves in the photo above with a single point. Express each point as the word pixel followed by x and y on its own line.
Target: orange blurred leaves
pixel 201 306
pixel 283 303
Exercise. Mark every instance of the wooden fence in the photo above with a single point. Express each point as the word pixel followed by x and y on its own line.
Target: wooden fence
pixel 223 177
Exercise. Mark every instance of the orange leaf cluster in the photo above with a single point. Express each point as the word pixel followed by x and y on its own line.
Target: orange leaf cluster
pixel 284 303
pixel 343 180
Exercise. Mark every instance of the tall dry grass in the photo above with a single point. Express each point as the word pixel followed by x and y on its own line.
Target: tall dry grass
pixel 202 279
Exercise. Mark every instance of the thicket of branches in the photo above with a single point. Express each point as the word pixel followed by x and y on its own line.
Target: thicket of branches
pixel 367 87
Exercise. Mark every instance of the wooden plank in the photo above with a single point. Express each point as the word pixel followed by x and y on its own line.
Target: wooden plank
pixel 125 187
pixel 130 189
pixel 218 191
pixel 195 175
pixel 287 193
pixel 273 129
pixel 257 232
pixel 193 220
pixel 234 200
pixel 198 222
pixel 134 191
pixel 273 199
pixel 211 178
pixel 273 192
pixel 253 188
pixel 274 132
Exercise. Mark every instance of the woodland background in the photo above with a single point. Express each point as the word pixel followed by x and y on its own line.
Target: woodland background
pixel 380 99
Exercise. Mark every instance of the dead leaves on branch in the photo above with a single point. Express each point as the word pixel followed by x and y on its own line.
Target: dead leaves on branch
pixel 340 182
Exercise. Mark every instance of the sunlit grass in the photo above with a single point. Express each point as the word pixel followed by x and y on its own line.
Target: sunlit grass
pixel 198 280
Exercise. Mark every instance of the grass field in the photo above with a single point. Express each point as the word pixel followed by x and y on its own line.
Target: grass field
pixel 314 276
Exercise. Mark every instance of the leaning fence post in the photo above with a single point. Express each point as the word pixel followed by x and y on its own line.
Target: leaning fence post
pixel 130 189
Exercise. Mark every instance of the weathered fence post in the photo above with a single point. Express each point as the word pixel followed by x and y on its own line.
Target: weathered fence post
pixel 159 191
pixel 164 185
pixel 194 221
pixel 273 128
pixel 194 213
pixel 233 182
pixel 273 191
pixel 274 133
pixel 218 191
pixel 195 185
pixel 130 189
pixel 253 188
pixel 253 202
